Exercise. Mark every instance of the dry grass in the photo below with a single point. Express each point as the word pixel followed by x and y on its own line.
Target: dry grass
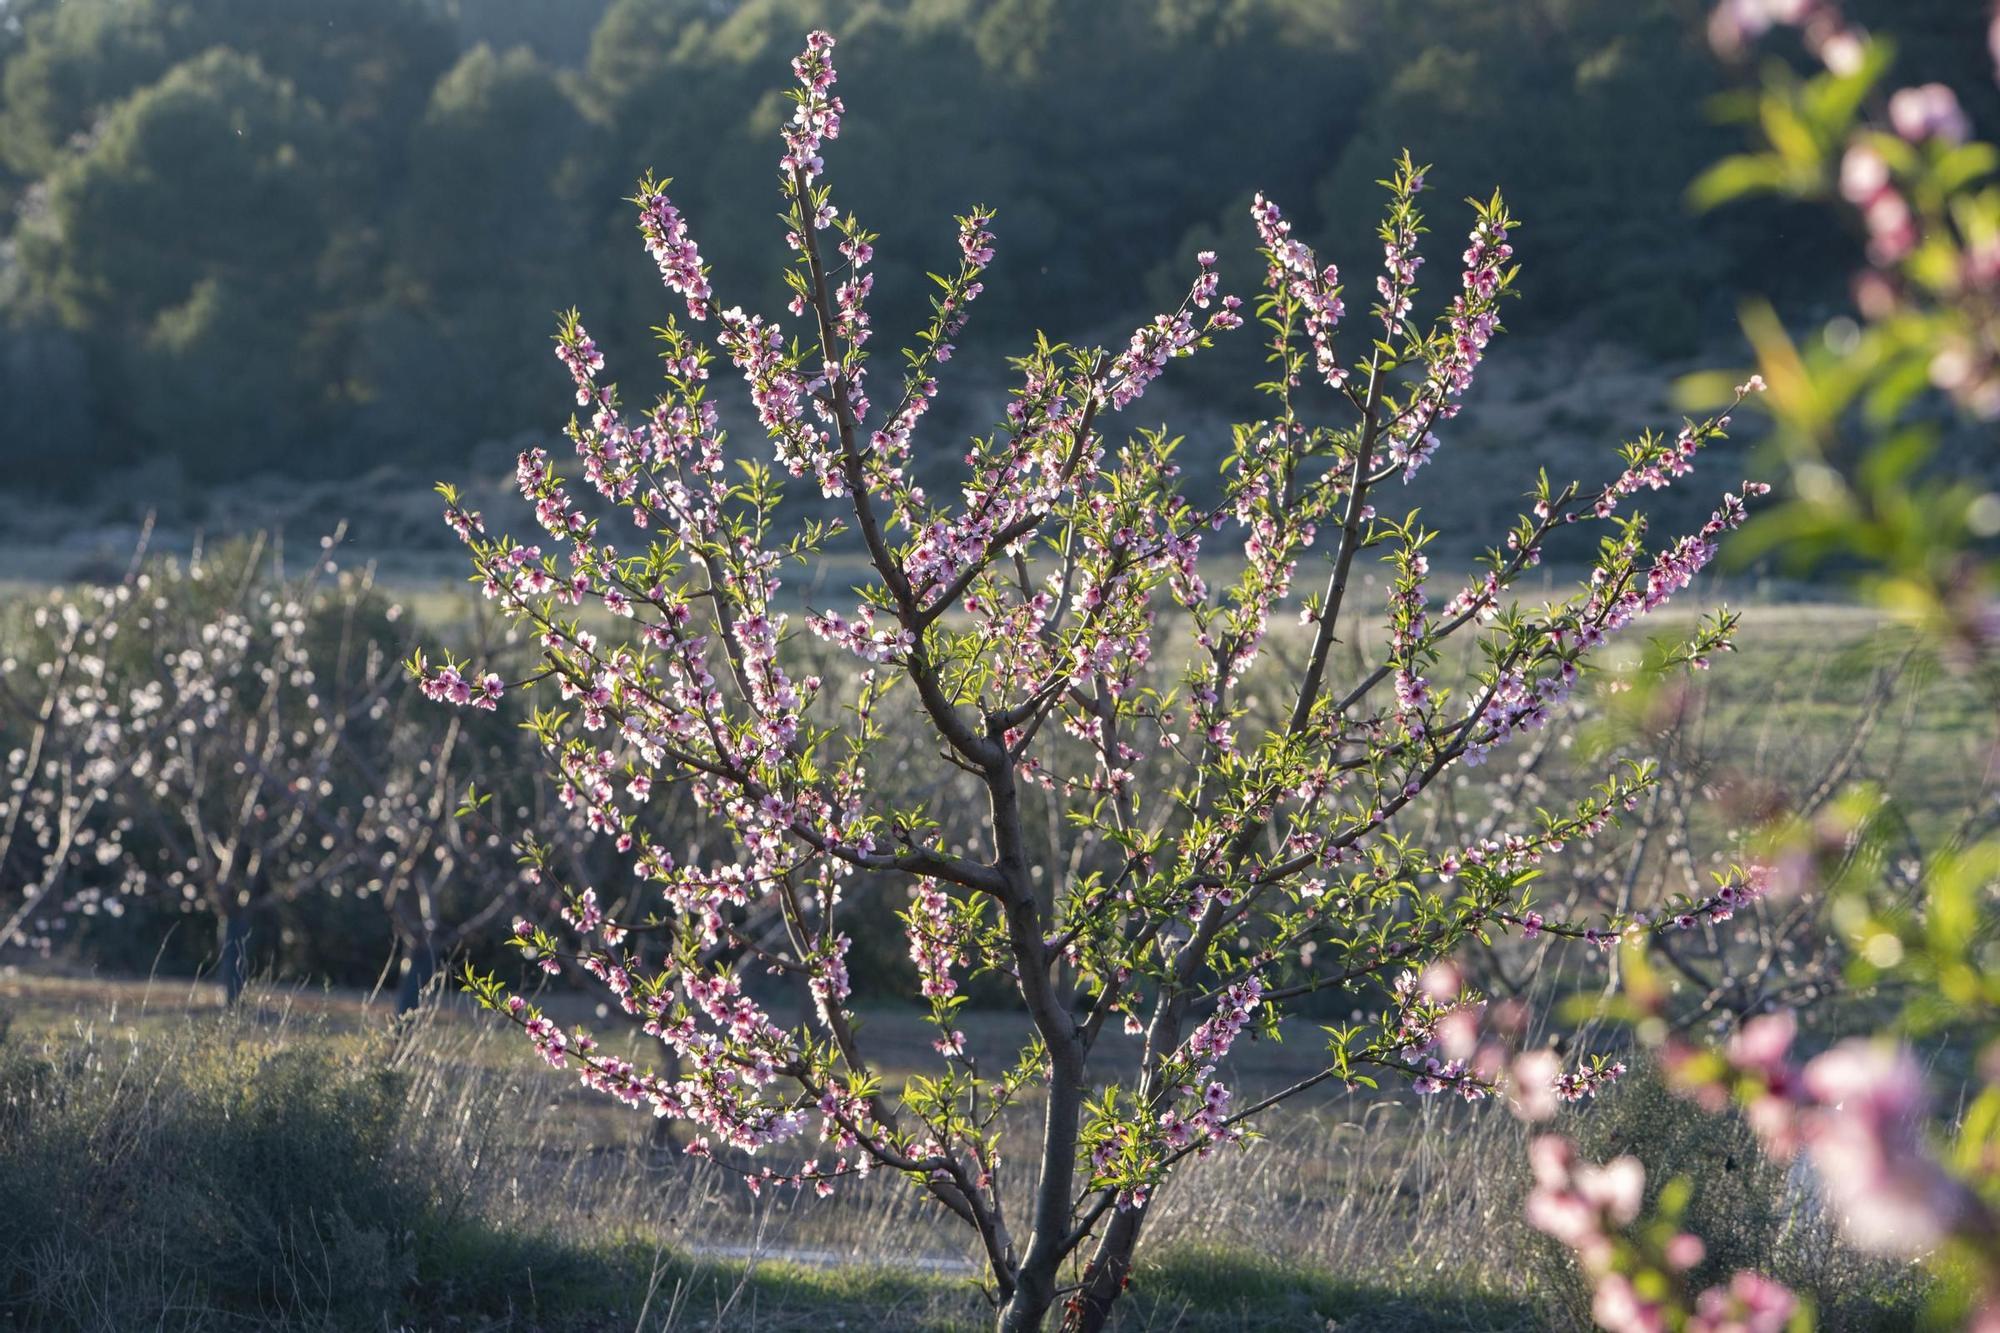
pixel 429 1173
pixel 432 1174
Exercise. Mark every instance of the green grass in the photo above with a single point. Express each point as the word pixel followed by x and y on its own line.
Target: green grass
pixel 1224 1286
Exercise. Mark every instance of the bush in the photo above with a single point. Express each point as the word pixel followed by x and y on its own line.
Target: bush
pixel 216 1170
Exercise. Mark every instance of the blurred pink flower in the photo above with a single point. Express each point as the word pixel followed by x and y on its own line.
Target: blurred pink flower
pixel 1929 111
pixel 1866 1139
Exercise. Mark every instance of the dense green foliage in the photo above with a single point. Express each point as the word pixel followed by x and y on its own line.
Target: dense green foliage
pixel 256 235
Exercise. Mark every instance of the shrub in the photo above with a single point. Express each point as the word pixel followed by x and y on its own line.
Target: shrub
pixel 208 1171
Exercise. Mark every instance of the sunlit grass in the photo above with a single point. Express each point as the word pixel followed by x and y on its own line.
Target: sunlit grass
pixel 428 1170
pixel 507 1197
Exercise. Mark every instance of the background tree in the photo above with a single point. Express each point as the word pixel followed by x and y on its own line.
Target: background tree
pixel 1050 109
pixel 497 176
pixel 215 739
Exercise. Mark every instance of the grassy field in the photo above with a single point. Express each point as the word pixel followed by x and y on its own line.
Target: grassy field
pixel 308 1161
pixel 500 1195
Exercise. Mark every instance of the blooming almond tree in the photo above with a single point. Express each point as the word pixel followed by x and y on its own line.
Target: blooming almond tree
pixel 1217 850
pixel 221 739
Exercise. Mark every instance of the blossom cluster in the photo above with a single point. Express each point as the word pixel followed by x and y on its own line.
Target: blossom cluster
pixel 1859 1110
pixel 1910 170
pixel 1639 1274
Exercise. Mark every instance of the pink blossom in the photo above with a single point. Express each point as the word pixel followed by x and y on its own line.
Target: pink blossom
pixel 1867 1142
pixel 1929 111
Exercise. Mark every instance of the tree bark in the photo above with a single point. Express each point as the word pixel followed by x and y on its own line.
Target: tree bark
pixel 1035 1284
pixel 420 964
pixel 1035 1280
pixel 235 964
pixel 1110 1267
pixel 1104 1280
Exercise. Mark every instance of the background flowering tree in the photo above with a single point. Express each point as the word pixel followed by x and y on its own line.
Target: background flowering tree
pixel 1173 843
pixel 209 736
pixel 1722 763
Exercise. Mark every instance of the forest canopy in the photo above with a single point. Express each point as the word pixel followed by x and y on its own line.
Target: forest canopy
pixel 252 236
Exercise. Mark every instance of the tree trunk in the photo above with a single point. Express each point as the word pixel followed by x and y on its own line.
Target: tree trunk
pixel 1029 1306
pixel 420 964
pixel 1110 1268
pixel 235 965
pixel 1035 1283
